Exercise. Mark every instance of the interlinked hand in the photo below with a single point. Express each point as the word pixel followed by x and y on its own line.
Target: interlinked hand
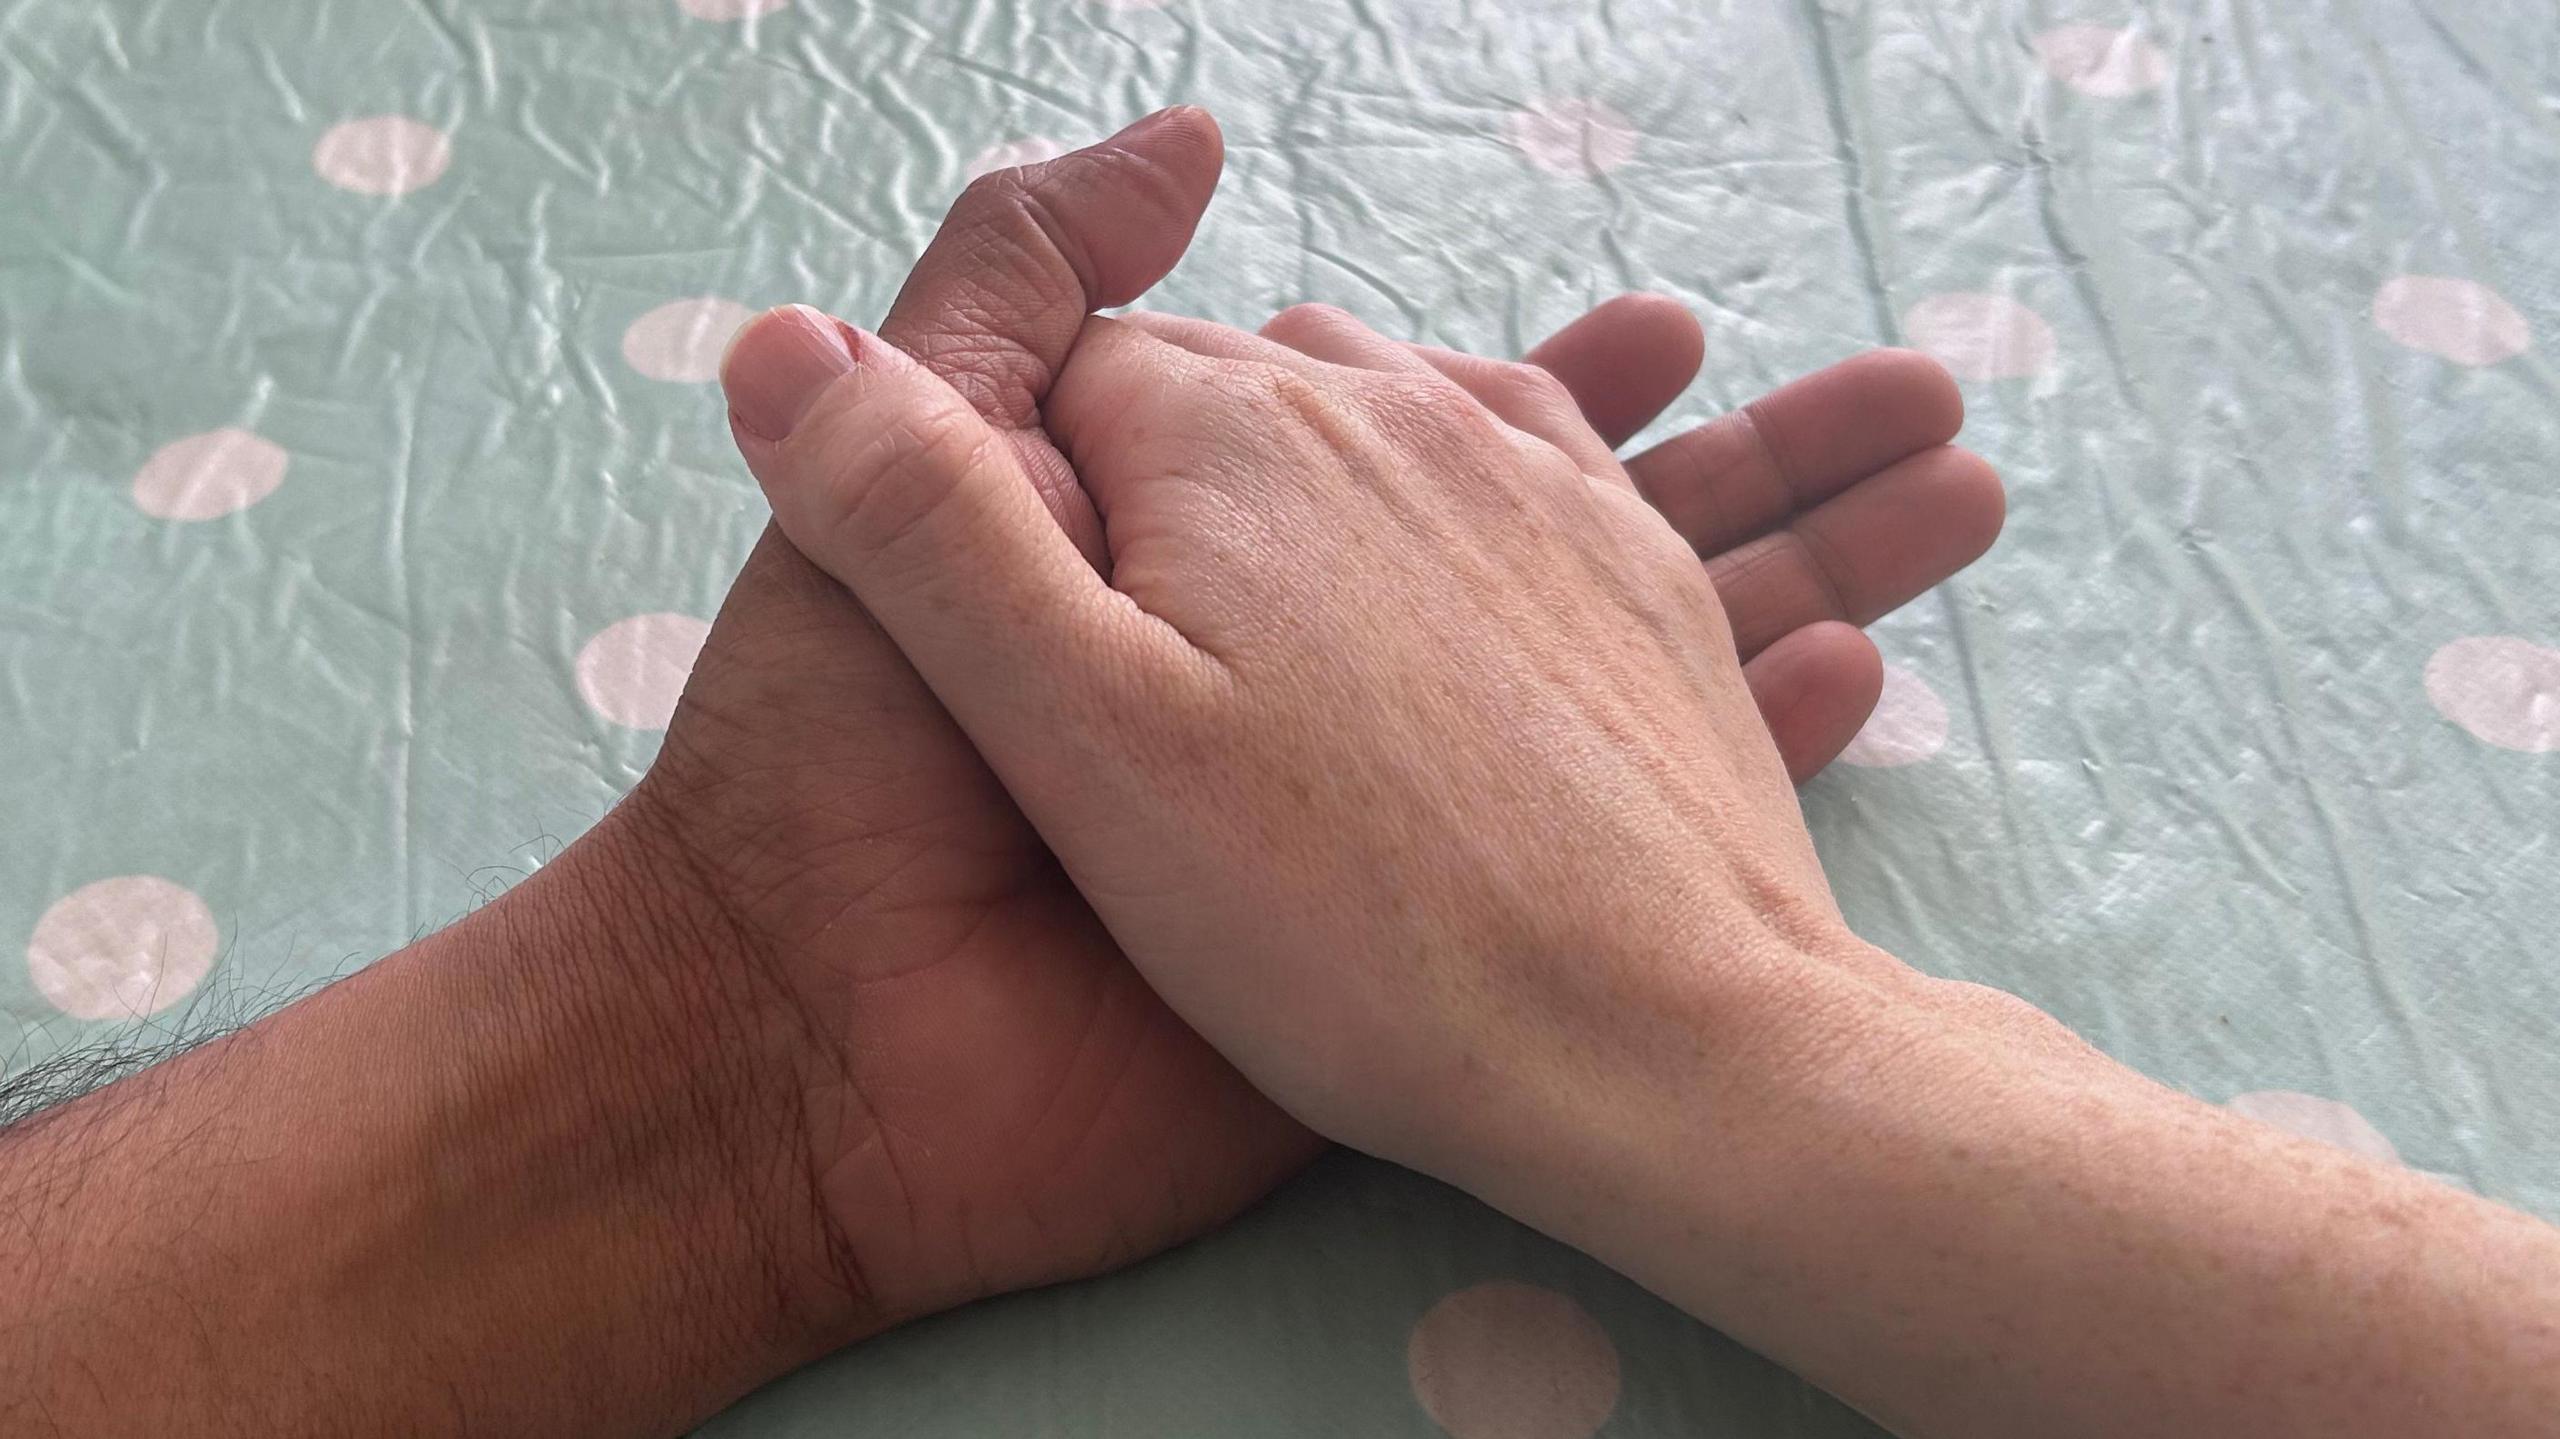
pixel 1405 747
pixel 1000 1100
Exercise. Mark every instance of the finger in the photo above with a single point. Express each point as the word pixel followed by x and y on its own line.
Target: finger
pixel 1738 477
pixel 995 302
pixel 1209 338
pixel 1128 390
pixel 992 307
pixel 890 481
pixel 1336 337
pixel 1864 552
pixel 1024 255
pixel 1815 688
pixel 1529 400
pixel 1625 361
pixel 1133 411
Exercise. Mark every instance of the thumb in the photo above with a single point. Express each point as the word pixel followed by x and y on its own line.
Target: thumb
pixel 889 481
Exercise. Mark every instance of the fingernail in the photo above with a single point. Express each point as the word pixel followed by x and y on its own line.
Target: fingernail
pixel 776 366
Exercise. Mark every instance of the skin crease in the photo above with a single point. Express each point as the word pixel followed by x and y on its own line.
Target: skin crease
pixel 1405 750
pixel 997 1099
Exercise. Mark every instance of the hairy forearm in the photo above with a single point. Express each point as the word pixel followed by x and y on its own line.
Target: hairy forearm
pixel 1967 1223
pixel 537 1173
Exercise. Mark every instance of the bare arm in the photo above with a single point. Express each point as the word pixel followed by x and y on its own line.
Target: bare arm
pixel 1943 1208
pixel 540 1172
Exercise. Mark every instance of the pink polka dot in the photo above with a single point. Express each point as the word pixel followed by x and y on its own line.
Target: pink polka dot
pixel 682 341
pixel 1981 336
pixel 729 9
pixel 2504 690
pixel 1573 137
pixel 2100 62
pixel 1013 154
pixel 122 948
pixel 2458 320
pixel 633 671
pixel 207 476
pixel 2312 1117
pixel 1513 1361
pixel 382 155
pixel 1908 726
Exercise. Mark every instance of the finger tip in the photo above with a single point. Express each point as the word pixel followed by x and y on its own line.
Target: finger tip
pixel 1185 138
pixel 1124 209
pixel 1659 325
pixel 1672 322
pixel 1858 658
pixel 1625 359
pixel 1976 499
pixel 1196 119
pixel 1816 687
pixel 1936 401
pixel 1847 658
pixel 1311 311
pixel 777 364
pixel 755 343
pixel 737 338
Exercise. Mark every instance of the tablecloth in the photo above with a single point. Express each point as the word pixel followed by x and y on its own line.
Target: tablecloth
pixel 363 492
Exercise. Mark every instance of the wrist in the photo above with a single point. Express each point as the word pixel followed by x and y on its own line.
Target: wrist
pixel 1702 1052
pixel 682 1065
pixel 598 1105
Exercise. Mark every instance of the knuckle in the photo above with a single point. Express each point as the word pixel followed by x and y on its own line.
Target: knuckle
pixel 1534 389
pixel 1425 410
pixel 907 467
pixel 1005 226
pixel 1416 396
pixel 1280 390
pixel 999 192
pixel 996 211
pixel 992 190
pixel 1306 317
pixel 1534 382
pixel 1651 547
pixel 942 440
pixel 2003 1013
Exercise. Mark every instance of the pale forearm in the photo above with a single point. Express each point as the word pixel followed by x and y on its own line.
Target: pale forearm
pixel 482 1187
pixel 1968 1224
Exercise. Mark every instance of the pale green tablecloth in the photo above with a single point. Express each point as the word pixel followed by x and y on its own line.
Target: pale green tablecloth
pixel 2234 754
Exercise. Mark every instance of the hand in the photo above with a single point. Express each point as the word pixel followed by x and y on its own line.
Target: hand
pixel 1354 592
pixel 1007 1102
pixel 1835 498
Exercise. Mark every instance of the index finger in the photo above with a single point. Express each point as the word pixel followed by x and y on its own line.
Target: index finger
pixel 1625 361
